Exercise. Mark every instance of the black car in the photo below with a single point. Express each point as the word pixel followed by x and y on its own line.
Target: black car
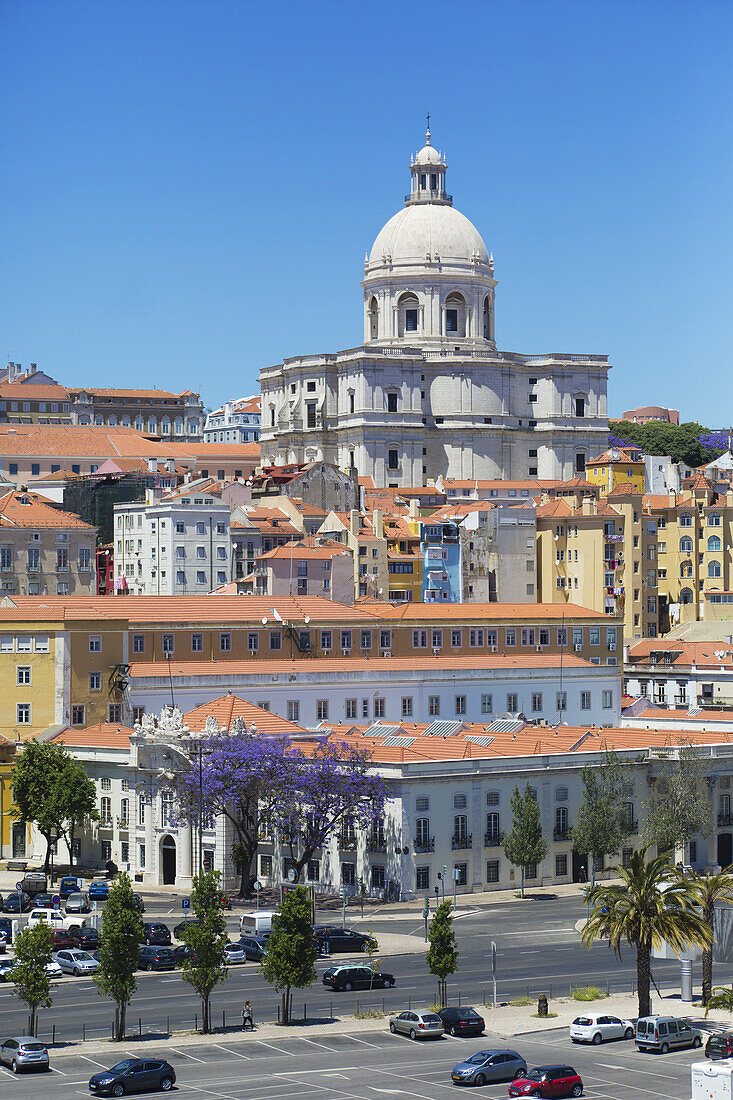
pixel 156 933
pixel 17 903
pixel 180 929
pixel 720 1046
pixel 356 977
pixel 156 958
pixel 330 937
pixel 462 1021
pixel 43 901
pixel 133 1075
pixel 180 953
pixel 137 903
pixel 85 937
pixel 68 885
pixel 254 947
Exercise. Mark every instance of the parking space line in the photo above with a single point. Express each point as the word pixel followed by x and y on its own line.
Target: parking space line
pixel 185 1054
pixel 331 1050
pixel 280 1050
pixel 247 1057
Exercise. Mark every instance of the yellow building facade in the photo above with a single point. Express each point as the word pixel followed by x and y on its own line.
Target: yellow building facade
pixel 615 467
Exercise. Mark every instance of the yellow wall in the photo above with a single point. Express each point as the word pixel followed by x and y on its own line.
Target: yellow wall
pixel 609 475
pixel 29 645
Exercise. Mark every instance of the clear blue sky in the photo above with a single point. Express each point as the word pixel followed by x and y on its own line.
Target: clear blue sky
pixel 188 188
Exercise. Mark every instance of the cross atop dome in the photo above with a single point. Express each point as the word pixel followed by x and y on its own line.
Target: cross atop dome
pixel 428 169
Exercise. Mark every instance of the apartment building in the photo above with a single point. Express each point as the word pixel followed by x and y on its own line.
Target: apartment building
pixel 236 421
pixel 44 550
pixel 677 674
pixel 364 535
pixel 404 558
pixel 156 412
pixel 315 566
pixel 617 466
pixel 36 402
pixel 498 551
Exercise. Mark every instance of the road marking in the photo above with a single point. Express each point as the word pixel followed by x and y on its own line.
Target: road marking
pixel 184 1054
pixel 280 1050
pixel 607 1065
pixel 374 1046
pixel 93 1061
pixel 538 932
pixel 331 1050
pixel 247 1057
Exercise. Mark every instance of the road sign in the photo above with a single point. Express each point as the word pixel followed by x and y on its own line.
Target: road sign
pixel 19 886
pixel 185 903
pixel 56 899
pixel 493 970
pixel 258 885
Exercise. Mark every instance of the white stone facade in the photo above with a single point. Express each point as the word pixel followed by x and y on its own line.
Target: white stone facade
pixel 428 393
pixel 235 422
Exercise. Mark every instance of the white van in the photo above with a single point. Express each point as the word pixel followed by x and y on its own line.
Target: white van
pixel 254 924
pixel 54 917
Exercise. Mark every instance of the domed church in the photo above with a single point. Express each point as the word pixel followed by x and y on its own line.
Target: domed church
pixel 428 393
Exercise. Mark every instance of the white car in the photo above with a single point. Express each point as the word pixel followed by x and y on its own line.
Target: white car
pixel 76 962
pixel 53 917
pixel 598 1028
pixel 54 970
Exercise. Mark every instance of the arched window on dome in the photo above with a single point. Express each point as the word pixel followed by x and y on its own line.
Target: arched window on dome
pixel 455 315
pixel 488 326
pixel 373 319
pixel 409 314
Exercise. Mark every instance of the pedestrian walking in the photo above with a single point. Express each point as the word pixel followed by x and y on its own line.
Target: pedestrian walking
pixel 247 1017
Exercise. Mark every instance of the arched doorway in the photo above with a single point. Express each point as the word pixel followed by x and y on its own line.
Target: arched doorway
pixel 168 860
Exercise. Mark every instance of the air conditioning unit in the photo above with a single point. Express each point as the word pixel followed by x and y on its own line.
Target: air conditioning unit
pixel 578 648
pixel 493 648
pixel 345 652
pixel 540 649
pixel 611 647
pixel 386 652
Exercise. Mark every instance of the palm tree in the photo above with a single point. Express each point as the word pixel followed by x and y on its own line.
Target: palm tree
pixel 654 903
pixel 721 997
pixel 712 890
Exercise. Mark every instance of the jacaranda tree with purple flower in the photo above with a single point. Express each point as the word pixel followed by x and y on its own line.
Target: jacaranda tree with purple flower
pixel 243 776
pixel 334 789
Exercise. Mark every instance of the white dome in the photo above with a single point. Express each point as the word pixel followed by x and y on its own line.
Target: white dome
pixel 423 229
pixel 428 155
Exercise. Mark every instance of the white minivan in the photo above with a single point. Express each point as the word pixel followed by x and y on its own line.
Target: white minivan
pixel 254 924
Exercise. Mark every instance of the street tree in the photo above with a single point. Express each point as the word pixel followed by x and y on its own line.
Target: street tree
pixel 525 845
pixel 713 890
pixel 31 983
pixel 654 903
pixel 206 937
pixel 119 942
pixel 52 789
pixel 333 789
pixel 291 950
pixel 371 950
pixel 679 805
pixel 243 776
pixel 601 822
pixel 443 954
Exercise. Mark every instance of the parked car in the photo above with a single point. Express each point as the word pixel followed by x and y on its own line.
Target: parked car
pixel 720 1046
pixel 68 885
pixel 133 1075
pixel 53 969
pixel 598 1027
pixel 34 882
pixel 462 1021
pixel 53 917
pixel 78 903
pixel 154 932
pixel 5 969
pixel 548 1081
pixel 99 889
pixel 330 937
pixel 63 938
pixel 356 977
pixel 181 952
pixel 489 1065
pixel 179 930
pixel 6 929
pixel 138 903
pixel 17 903
pixel 85 937
pixel 73 961
pixel 665 1033
pixel 43 901
pixel 23 1053
pixel 418 1025
pixel 254 947
pixel 234 953
pixel 156 958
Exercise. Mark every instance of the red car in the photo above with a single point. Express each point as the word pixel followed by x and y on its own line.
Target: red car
pixel 548 1081
pixel 62 938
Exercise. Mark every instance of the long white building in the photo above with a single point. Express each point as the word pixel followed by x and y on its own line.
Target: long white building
pixel 428 393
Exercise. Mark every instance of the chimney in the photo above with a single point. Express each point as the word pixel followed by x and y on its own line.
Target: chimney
pixel 588 508
pixel 378 523
pixel 354 522
pixel 672 498
pixel 414 508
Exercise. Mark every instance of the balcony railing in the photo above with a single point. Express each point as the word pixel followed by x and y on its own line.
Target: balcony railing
pixel 347 843
pixel 459 843
pixel 493 840
pixel 376 845
pixel 725 819
pixel 561 834
pixel 427 844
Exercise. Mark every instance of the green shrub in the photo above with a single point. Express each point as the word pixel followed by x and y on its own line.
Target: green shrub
pixel 588 993
pixel 520 1002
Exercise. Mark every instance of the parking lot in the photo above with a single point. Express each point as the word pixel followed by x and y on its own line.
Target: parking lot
pixel 369 1065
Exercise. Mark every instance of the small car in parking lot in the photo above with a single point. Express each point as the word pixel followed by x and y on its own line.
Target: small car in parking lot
pixel 99 889
pixel 489 1065
pixel 462 1021
pixel 179 930
pixel 418 1025
pixel 23 1053
pixel 357 977
pixel 720 1046
pixel 76 962
pixel 5 968
pixel 43 901
pixel 6 929
pixel 234 953
pixel 138 903
pixel 665 1033
pixel 53 969
pixel 156 958
pixel 254 947
pixel 34 882
pixel 85 937
pixel 62 937
pixel 330 937
pixel 69 885
pixel 548 1081
pixel 78 903
pixel 133 1075
pixel 154 932
pixel 17 903
pixel 597 1027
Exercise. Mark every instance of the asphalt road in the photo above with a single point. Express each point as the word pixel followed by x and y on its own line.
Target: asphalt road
pixel 373 1065
pixel 538 950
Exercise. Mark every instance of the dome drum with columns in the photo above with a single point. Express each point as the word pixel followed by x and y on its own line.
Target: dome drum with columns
pixel 428 392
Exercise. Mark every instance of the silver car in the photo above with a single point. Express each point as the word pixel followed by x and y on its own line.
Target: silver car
pixel 418 1025
pixel 78 903
pixel 23 1053
pixel 76 962
pixel 489 1065
pixel 234 953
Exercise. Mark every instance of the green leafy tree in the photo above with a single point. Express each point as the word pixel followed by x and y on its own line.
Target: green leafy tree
pixel 655 903
pixel 443 954
pixel 683 442
pixel 601 825
pixel 525 844
pixel 33 951
pixel 52 789
pixel 679 805
pixel 203 966
pixel 119 941
pixel 721 997
pixel 371 949
pixel 713 890
pixel 291 949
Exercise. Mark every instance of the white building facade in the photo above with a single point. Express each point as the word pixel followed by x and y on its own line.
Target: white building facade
pixel 428 393
pixel 235 422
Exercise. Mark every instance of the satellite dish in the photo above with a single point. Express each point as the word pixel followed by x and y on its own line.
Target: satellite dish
pixel 264 620
pixel 307 619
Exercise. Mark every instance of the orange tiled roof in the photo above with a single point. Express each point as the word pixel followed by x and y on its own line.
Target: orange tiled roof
pixel 31 391
pixel 228 707
pixel 625 489
pixel 104 735
pixel 682 652
pixel 81 440
pixel 306 548
pixel 151 395
pixel 37 512
pixel 483 611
